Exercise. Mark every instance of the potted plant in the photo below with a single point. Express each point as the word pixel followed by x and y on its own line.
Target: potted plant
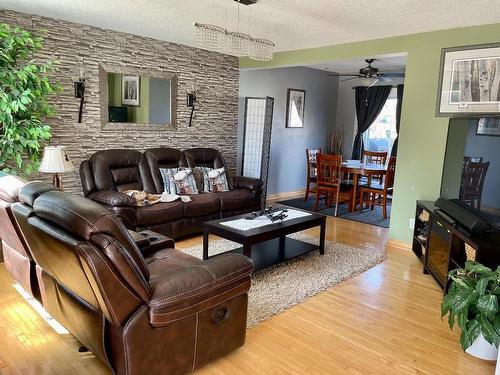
pixel 472 302
pixel 24 87
pixel 335 141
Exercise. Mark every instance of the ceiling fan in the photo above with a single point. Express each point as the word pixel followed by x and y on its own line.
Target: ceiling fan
pixel 370 72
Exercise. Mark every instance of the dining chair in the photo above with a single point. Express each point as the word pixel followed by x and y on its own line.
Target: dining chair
pixel 312 175
pixel 472 182
pixel 473 159
pixel 374 157
pixel 329 179
pixel 378 193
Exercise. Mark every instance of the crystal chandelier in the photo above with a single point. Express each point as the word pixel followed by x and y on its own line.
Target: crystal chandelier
pixel 218 39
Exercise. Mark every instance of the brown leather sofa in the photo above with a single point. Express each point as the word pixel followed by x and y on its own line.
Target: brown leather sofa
pixel 107 173
pixel 167 313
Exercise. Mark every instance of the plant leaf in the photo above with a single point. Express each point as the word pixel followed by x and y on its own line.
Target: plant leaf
pixel 488 305
pixel 489 332
pixel 468 336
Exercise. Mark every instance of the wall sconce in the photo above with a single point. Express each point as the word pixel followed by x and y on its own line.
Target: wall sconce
pixel 80 93
pixel 190 101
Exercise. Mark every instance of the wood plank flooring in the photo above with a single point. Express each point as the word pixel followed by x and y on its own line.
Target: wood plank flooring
pixel 384 321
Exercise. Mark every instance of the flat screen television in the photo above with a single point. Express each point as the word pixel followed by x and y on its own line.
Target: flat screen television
pixel 471 171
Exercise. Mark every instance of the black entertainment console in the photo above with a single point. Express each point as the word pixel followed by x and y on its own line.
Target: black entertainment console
pixel 444 239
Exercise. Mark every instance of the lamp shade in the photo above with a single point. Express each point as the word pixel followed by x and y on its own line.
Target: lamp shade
pixel 55 160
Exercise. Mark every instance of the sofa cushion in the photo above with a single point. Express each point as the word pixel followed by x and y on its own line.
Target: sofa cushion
pixel 163 157
pixel 236 200
pixel 167 176
pixel 10 186
pixel 184 182
pixel 214 180
pixel 202 205
pixel 159 213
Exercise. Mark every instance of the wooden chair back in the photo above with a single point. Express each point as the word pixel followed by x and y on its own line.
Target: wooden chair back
pixel 473 177
pixel 329 169
pixel 374 157
pixel 391 172
pixel 473 159
pixel 311 154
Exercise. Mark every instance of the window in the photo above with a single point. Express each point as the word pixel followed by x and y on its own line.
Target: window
pixel 382 133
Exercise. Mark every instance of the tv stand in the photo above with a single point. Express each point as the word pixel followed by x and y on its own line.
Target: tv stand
pixel 442 245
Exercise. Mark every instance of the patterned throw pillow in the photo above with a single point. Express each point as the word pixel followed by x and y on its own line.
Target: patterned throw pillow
pixel 167 175
pixel 184 182
pixel 215 180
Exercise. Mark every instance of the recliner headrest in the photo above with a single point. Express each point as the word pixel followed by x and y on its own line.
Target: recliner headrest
pixel 84 218
pixel 204 157
pixel 32 190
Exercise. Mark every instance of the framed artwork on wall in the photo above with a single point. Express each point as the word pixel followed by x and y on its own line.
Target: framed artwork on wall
pixel 488 126
pixel 295 103
pixel 469 82
pixel 131 90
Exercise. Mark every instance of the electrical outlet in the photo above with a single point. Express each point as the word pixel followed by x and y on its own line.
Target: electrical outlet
pixel 411 224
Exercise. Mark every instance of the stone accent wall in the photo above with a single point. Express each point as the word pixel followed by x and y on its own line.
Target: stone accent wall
pixel 78 46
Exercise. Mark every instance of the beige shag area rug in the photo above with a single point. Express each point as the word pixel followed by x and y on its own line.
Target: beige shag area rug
pixel 284 285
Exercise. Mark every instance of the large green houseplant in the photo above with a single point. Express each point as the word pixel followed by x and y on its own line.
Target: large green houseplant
pixel 472 302
pixel 24 87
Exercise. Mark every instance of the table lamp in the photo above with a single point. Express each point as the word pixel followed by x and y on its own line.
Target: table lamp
pixel 55 160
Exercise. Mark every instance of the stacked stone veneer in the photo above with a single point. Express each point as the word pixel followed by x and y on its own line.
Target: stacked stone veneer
pixel 78 46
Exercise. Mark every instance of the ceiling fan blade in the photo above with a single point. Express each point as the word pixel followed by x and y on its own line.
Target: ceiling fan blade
pixel 383 79
pixel 394 75
pixel 344 75
pixel 350 79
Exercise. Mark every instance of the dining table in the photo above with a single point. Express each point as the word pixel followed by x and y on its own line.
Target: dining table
pixel 358 169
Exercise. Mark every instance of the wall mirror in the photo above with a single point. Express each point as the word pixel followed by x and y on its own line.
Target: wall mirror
pixel 137 99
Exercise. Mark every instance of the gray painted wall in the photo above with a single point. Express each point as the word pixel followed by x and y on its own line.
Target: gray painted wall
pixel 287 169
pixel 489 148
pixel 159 100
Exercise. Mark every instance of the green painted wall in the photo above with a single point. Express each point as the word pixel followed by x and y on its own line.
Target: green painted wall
pixel 140 114
pixel 422 136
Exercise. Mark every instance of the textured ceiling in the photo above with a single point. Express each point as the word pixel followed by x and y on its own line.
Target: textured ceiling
pixel 385 63
pixel 291 24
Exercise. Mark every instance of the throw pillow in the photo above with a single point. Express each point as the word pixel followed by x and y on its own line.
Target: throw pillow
pixel 167 175
pixel 217 180
pixel 10 186
pixel 184 182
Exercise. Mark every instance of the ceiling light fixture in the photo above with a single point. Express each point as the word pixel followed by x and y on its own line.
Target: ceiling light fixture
pixel 218 39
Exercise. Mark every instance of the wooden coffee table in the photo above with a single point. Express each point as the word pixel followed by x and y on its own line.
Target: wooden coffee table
pixel 268 245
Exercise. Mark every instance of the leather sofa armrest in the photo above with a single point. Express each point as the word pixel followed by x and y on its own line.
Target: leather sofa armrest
pixel 112 198
pixel 201 286
pixel 242 182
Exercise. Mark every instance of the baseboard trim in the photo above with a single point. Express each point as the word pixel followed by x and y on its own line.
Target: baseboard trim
pixel 287 194
pixel 399 244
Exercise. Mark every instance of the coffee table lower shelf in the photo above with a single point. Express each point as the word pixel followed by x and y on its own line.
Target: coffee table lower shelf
pixel 265 254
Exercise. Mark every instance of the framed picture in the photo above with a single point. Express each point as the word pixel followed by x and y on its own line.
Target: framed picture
pixel 295 102
pixel 469 81
pixel 131 90
pixel 488 126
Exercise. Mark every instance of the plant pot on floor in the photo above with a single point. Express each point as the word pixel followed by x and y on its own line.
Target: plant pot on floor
pixel 481 348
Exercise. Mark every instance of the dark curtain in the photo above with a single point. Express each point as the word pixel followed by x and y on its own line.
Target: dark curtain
pixel 401 88
pixel 369 103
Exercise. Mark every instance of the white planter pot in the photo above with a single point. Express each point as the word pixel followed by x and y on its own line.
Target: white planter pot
pixel 483 349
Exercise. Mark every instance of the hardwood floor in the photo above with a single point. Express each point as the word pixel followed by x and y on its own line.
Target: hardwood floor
pixel 384 321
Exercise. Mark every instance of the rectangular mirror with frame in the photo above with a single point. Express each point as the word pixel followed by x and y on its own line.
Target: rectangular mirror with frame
pixel 137 99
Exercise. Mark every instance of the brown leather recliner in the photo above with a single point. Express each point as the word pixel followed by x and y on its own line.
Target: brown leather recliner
pixel 169 313
pixel 108 173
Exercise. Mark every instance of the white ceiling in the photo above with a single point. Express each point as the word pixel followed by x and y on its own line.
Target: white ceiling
pixel 291 24
pixel 385 63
